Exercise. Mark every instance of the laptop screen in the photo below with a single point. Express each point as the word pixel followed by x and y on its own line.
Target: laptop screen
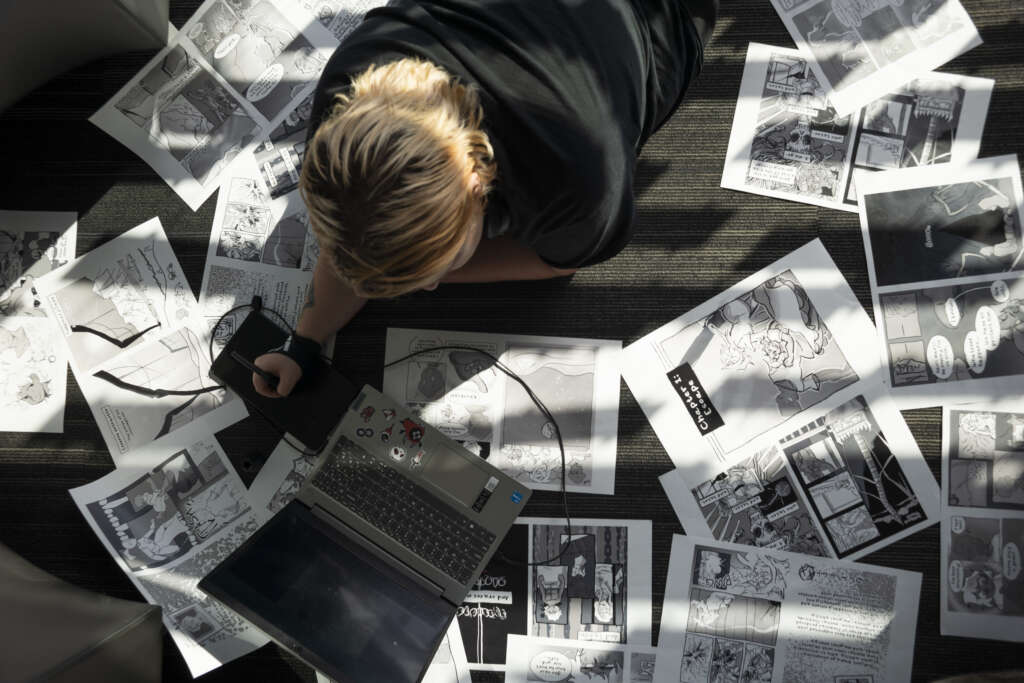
pixel 350 615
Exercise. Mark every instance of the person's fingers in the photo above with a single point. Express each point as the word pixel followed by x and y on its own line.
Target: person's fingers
pixel 262 388
pixel 284 368
pixel 287 382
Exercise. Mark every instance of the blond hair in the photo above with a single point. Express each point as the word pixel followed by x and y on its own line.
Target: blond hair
pixel 388 174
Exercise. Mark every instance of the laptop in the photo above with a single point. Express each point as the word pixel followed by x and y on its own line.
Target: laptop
pixel 361 574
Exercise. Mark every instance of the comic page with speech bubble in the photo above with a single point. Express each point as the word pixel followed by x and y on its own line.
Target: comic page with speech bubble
pixel 552 660
pixel 788 141
pixel 982 532
pixel 736 613
pixel 945 255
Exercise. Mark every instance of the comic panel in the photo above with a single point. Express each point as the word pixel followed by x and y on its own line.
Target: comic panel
pixel 951 334
pixel 983 567
pixel 186 112
pixel 641 667
pixel 757 361
pixel 986 459
pixel 725 615
pixel 32 243
pixel 279 157
pixel 258 51
pixel 854 481
pixel 33 373
pixel 944 231
pixel 167 512
pixel 582 594
pixel 753 574
pixel 755 502
pixel 837 47
pixel 800 144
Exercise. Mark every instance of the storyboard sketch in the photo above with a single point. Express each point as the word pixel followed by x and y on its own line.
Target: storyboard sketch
pixel 599 590
pixel 982 587
pixel 168 516
pixel 126 315
pixel 862 49
pixel 752 361
pixel 575 661
pixel 735 613
pixel 33 363
pixel 945 256
pixel 229 78
pixel 843 486
pixel 462 393
pixel 788 142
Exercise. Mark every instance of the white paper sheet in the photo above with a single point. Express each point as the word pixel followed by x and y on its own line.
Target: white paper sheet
pixel 448 665
pixel 33 363
pixel 280 478
pixel 610 562
pixel 129 286
pixel 945 253
pixel 229 78
pixel 842 485
pixel 168 516
pixel 982 587
pixel 767 615
pixel 788 142
pixel 461 394
pixel 863 49
pixel 753 361
pixel 566 661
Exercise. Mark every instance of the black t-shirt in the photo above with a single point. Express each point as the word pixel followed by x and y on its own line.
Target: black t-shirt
pixel 570 89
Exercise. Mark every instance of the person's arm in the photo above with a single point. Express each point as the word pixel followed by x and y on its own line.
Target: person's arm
pixel 330 305
pixel 502 259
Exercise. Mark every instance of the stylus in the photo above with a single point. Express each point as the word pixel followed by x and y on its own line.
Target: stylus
pixel 269 378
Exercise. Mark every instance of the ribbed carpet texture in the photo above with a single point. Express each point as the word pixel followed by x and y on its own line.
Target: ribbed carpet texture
pixel 693 239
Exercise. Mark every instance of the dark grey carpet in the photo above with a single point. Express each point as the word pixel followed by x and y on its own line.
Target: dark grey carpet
pixel 693 240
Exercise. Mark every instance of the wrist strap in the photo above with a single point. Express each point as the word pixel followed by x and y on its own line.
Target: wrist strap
pixel 304 351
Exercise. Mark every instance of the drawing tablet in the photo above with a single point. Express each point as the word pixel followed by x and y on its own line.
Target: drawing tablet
pixel 313 408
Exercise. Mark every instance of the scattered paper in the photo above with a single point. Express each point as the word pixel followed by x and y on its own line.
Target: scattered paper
pixel 945 251
pixel 461 393
pixel 599 590
pixel 168 516
pixel 787 140
pixel 33 363
pixel 982 587
pixel 843 485
pixel 863 49
pixel 753 361
pixel 125 312
pixel 280 479
pixel 736 613
pixel 569 661
pixel 227 81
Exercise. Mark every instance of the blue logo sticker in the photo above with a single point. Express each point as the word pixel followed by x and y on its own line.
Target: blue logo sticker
pixel 516 497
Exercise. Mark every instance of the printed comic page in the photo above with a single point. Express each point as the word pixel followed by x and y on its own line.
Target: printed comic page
pixel 982 533
pixel 464 393
pixel 788 142
pixel 945 254
pixel 752 614
pixel 862 49
pixel 568 661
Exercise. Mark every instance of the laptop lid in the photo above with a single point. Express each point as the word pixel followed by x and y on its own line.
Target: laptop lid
pixel 330 601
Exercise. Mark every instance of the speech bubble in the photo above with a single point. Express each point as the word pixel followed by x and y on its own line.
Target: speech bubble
pixel 551 666
pixel 1011 561
pixel 1000 292
pixel 956 576
pixel 266 83
pixel 974 352
pixel 986 322
pixel 957 524
pixel 940 356
pixel 226 45
pixel 952 312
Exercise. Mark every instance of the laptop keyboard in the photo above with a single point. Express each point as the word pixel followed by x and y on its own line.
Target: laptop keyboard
pixel 403 510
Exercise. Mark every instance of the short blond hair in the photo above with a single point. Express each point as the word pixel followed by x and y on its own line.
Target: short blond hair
pixel 387 176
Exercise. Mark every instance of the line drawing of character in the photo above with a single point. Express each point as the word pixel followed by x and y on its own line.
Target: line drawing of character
pixel 601 665
pixel 551 587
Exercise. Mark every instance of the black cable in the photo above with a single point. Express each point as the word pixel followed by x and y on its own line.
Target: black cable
pixel 544 410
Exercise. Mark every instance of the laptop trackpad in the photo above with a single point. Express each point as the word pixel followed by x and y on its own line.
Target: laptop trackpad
pixel 320 591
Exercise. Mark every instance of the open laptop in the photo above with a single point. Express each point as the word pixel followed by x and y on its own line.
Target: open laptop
pixel 362 572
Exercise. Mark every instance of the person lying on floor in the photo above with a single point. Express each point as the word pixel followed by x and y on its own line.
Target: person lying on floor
pixel 480 141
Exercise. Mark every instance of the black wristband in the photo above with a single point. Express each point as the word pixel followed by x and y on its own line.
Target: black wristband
pixel 304 351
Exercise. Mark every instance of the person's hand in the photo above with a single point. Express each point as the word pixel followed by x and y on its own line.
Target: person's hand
pixel 287 371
